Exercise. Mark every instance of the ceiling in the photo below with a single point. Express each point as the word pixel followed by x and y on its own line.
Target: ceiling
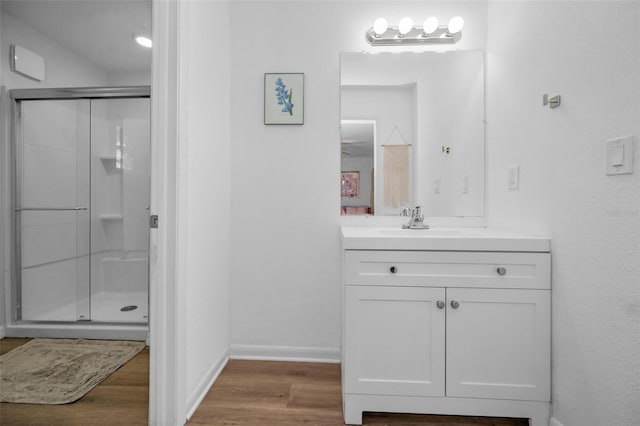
pixel 98 30
pixel 357 139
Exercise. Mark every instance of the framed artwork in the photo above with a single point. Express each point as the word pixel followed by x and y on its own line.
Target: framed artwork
pixel 350 184
pixel 284 98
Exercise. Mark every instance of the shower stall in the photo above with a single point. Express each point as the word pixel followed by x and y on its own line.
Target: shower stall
pixel 80 212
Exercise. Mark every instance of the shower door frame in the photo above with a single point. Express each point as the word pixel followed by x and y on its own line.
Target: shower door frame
pixel 70 93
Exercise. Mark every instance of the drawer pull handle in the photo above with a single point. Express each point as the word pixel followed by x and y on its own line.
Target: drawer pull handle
pixel 440 304
pixel 393 269
pixel 502 271
pixel 455 304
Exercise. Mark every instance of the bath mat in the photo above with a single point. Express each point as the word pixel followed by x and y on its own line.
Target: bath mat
pixel 60 371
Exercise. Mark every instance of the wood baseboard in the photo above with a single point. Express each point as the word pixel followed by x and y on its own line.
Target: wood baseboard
pixel 285 353
pixel 196 397
pixel 555 422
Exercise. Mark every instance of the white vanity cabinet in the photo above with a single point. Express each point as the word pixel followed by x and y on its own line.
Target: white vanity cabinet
pixel 446 332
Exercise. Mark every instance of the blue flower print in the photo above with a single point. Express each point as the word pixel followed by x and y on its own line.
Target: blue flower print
pixel 284 97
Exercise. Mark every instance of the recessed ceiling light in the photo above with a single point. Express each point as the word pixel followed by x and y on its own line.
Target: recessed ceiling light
pixel 143 40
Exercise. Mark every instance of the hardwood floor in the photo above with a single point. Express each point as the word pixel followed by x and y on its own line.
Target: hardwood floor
pixel 121 399
pixel 263 393
pixel 247 393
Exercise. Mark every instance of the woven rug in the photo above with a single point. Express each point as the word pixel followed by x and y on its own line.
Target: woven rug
pixel 59 371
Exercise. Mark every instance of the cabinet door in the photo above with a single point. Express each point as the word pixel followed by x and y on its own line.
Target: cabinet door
pixel 394 341
pixel 498 344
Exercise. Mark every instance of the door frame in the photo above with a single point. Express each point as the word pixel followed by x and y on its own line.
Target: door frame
pixel 167 388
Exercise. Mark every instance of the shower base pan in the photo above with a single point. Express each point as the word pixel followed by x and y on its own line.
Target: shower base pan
pixel 79 331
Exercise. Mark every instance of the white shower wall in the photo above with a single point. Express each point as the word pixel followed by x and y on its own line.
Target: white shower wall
pixel 120 206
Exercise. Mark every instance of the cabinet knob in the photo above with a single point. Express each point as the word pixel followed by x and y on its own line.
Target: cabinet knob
pixel 455 304
pixel 393 269
pixel 501 271
pixel 440 304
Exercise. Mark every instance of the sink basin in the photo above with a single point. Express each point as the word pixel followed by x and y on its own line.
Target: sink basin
pixel 424 233
pixel 453 239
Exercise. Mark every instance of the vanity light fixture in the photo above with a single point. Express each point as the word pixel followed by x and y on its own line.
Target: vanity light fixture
pixel 381 34
pixel 380 26
pixel 455 25
pixel 405 25
pixel 430 25
pixel 143 40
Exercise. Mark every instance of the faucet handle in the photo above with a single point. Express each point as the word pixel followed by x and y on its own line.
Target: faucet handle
pixel 417 220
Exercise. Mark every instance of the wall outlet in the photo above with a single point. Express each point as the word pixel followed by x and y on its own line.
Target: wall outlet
pixel 436 186
pixel 513 177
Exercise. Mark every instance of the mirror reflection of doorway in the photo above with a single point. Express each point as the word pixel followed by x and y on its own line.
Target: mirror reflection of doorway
pixel 357 165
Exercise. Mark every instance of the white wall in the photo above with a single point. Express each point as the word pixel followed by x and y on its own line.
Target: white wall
pixel 285 251
pixel 129 78
pixel 592 219
pixel 204 192
pixel 62 68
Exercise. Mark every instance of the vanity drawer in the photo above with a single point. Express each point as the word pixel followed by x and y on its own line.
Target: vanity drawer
pixel 448 269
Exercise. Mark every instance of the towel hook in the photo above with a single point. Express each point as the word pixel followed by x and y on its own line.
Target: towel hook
pixel 553 102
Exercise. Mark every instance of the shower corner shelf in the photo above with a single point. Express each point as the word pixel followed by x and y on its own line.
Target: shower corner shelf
pixel 111 217
pixel 109 162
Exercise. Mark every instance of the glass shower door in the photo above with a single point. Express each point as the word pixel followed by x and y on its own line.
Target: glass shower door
pixel 52 200
pixel 120 188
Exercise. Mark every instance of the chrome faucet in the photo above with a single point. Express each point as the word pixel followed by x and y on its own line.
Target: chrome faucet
pixel 417 220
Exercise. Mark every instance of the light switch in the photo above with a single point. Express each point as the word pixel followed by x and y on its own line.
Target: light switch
pixel 620 156
pixel 617 157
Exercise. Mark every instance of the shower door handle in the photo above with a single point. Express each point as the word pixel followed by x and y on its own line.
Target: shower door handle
pixel 30 209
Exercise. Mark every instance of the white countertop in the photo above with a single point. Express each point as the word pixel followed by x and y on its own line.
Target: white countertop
pixel 447 239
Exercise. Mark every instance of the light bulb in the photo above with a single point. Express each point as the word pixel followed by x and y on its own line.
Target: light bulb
pixel 430 25
pixel 380 26
pixel 405 25
pixel 455 25
pixel 143 40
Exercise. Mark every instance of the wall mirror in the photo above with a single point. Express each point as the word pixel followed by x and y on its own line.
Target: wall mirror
pixel 412 133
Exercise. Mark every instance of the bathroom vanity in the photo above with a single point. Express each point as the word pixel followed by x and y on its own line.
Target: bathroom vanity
pixel 446 321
